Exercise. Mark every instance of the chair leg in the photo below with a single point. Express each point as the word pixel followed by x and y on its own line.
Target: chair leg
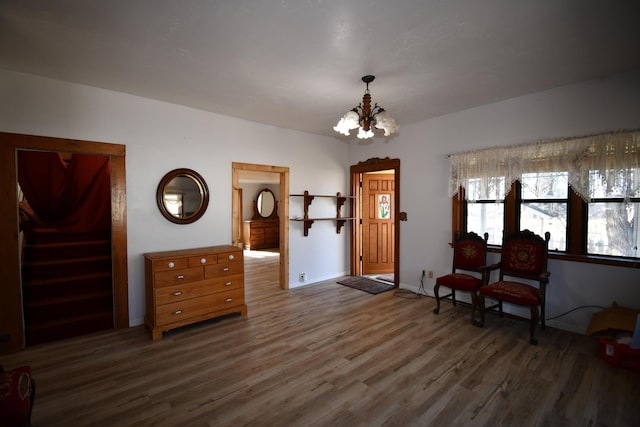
pixel 436 290
pixel 453 296
pixel 480 304
pixel 542 315
pixel 474 302
pixel 533 324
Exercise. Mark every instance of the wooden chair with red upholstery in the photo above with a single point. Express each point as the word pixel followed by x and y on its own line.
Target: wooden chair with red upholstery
pixel 524 256
pixel 469 255
pixel 17 392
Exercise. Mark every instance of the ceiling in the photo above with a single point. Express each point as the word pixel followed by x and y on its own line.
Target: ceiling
pixel 298 64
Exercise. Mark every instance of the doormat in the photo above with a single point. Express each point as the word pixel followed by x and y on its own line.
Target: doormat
pixel 364 284
pixel 386 278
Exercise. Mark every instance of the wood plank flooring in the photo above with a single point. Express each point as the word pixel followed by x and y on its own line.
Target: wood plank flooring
pixel 329 355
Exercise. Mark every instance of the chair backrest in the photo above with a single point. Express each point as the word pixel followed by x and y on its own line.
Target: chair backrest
pixel 470 251
pixel 524 255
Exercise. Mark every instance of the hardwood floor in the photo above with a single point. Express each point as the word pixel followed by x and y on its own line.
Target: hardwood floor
pixel 329 355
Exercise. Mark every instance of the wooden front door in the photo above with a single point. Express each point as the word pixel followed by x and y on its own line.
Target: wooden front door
pixel 378 223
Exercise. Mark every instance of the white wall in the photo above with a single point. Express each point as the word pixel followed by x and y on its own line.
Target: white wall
pixel 160 137
pixel 591 107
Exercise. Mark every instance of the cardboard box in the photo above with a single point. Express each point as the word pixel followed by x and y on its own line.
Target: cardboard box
pixel 613 322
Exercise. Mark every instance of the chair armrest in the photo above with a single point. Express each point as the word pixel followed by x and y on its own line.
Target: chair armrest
pixel 486 272
pixel 544 277
pixel 491 267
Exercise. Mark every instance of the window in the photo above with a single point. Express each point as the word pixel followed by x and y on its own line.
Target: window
pixel 584 191
pixel 544 199
pixel 612 222
pixel 485 213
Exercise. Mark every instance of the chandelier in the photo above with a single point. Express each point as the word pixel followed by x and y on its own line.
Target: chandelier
pixel 363 117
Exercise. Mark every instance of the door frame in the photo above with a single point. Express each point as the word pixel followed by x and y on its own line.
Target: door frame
pixel 373 165
pixel 11 315
pixel 283 207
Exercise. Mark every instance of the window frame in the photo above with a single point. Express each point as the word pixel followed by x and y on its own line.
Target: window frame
pixel 577 217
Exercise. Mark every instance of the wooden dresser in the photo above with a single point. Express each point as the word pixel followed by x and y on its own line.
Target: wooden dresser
pixel 191 285
pixel 261 233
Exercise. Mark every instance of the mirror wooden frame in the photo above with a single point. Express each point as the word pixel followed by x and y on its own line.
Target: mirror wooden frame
pixel 204 195
pixel 257 215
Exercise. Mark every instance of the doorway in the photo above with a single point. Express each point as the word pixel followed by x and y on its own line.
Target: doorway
pixel 375 237
pixel 11 313
pixel 240 169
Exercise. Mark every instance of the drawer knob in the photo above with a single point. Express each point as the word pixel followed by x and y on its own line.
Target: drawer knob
pixel 177 312
pixel 225 269
pixel 228 284
pixel 177 293
pixel 203 260
pixel 181 276
pixel 171 264
pixel 229 300
pixel 231 256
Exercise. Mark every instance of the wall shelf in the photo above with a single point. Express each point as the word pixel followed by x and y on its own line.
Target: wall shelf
pixel 308 222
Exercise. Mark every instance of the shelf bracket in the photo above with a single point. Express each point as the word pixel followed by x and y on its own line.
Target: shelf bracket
pixel 307 225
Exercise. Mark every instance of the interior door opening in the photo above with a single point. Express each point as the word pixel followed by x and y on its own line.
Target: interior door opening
pixel 262 173
pixel 375 236
pixel 11 312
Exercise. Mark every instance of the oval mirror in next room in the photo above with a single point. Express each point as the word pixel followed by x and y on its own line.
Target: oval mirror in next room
pixel 266 205
pixel 182 196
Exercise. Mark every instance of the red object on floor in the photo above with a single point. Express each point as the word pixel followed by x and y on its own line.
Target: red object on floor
pixel 620 354
pixel 16 397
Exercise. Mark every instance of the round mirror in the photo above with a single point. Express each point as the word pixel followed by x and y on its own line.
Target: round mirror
pixel 266 204
pixel 182 196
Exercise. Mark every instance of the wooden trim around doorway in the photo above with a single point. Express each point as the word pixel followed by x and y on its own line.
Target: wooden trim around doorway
pixel 373 165
pixel 11 316
pixel 283 207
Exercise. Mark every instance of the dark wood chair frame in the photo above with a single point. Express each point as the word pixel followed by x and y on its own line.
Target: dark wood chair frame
pixel 542 278
pixel 482 270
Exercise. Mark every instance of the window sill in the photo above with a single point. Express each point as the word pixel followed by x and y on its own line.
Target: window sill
pixel 591 259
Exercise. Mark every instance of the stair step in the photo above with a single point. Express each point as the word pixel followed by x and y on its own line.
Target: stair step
pixel 40 252
pixel 52 288
pixel 65 268
pixel 67 307
pixel 67 328
pixel 50 235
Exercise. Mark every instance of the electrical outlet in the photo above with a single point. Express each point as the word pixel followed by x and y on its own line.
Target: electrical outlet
pixel 430 274
pixel 302 277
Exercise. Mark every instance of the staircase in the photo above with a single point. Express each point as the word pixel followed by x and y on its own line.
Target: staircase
pixel 67 284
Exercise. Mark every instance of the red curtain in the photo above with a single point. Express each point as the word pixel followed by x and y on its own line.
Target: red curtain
pixel 72 196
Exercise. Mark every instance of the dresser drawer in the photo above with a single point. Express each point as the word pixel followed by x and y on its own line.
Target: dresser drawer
pixel 200 260
pixel 184 275
pixel 194 307
pixel 181 292
pixel 236 256
pixel 257 233
pixel 170 264
pixel 224 269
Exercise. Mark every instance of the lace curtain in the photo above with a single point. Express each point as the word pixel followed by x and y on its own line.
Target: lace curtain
pixel 604 165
